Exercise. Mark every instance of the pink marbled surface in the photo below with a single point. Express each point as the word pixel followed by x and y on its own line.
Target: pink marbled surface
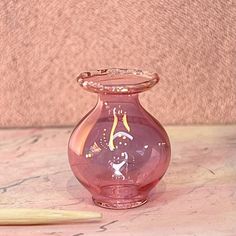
pixel 45 44
pixel 196 197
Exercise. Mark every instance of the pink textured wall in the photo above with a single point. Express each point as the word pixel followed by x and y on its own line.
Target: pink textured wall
pixel 45 44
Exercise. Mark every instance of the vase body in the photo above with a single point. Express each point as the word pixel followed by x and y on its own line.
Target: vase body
pixel 118 151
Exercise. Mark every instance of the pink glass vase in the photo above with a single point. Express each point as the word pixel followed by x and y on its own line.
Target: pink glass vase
pixel 118 151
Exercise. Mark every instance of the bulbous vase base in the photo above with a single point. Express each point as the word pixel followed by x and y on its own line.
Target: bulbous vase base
pixel 120 197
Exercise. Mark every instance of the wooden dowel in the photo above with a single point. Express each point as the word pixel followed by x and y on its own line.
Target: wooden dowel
pixel 24 216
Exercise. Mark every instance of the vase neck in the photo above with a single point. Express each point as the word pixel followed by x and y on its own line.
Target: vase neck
pixel 129 98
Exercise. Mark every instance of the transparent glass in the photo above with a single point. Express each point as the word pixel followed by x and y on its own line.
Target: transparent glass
pixel 118 151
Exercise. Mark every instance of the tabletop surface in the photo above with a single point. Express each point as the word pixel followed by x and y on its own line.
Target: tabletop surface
pixel 197 196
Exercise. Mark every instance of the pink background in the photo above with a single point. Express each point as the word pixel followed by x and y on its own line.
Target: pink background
pixel 45 44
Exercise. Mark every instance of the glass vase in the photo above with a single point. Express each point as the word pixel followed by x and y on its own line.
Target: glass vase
pixel 118 151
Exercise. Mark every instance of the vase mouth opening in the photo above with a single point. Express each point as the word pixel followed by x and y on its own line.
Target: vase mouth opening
pixel 117 81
